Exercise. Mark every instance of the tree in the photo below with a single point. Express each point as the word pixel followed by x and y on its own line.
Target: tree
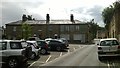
pixel 108 13
pixel 93 27
pixel 26 30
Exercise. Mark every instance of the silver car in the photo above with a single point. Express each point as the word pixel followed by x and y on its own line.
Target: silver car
pixel 108 47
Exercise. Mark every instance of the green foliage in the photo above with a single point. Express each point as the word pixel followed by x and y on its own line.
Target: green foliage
pixel 93 27
pixel 26 30
pixel 108 13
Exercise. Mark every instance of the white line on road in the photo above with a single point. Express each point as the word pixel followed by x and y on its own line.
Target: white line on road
pixel 68 51
pixel 108 64
pixel 61 54
pixel 74 49
pixel 32 64
pixel 113 64
pixel 48 58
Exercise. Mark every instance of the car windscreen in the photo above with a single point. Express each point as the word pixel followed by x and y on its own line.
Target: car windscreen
pixel 41 42
pixel 3 45
pixel 16 45
pixel 109 43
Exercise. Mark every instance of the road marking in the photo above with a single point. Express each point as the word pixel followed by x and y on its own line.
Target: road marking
pixel 114 64
pixel 74 49
pixel 108 64
pixel 48 58
pixel 68 51
pixel 32 64
pixel 61 54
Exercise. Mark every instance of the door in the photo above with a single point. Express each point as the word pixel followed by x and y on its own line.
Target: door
pixel 3 47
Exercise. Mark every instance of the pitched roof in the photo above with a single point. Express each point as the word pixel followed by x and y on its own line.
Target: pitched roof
pixel 51 22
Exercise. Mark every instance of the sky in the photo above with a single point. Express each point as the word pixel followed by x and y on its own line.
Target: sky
pixel 83 10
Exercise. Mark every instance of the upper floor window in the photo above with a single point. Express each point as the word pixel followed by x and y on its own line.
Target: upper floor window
pixel 62 28
pixel 14 28
pixel 77 27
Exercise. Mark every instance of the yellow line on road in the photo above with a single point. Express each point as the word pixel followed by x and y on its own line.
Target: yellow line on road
pixel 48 58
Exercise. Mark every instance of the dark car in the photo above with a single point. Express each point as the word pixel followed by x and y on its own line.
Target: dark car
pixel 64 41
pixel 56 45
pixel 33 38
pixel 44 47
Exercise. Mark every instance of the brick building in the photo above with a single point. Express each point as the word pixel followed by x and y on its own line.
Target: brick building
pixel 73 30
pixel 114 27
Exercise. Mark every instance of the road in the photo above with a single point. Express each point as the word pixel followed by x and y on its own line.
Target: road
pixel 81 55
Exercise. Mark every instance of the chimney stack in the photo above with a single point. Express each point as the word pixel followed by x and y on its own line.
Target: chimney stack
pixel 72 18
pixel 47 18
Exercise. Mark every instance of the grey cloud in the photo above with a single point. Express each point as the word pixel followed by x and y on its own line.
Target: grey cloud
pixel 79 10
pixel 95 12
pixel 13 11
pixel 31 4
pixel 10 12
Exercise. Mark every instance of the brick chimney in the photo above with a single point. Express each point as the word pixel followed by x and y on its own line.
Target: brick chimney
pixel 47 18
pixel 72 18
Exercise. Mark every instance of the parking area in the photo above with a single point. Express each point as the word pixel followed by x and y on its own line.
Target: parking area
pixel 53 55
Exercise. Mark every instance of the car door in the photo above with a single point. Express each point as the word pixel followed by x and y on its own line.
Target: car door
pixel 3 47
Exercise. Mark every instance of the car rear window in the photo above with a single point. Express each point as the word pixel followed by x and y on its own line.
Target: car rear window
pixel 16 45
pixel 109 43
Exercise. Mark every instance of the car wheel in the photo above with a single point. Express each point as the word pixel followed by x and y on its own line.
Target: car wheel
pixel 100 58
pixel 33 56
pixel 12 62
pixel 43 51
pixel 58 48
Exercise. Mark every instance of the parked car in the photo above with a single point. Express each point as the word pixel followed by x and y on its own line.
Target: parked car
pixel 35 49
pixel 96 41
pixel 33 38
pixel 108 47
pixel 12 53
pixel 65 41
pixel 44 47
pixel 56 45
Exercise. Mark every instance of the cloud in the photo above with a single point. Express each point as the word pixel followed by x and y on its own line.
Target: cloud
pixel 96 12
pixel 13 11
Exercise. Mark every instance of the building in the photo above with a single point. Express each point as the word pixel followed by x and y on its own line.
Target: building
pixel 73 30
pixel 114 27
pixel 101 33
pixel 1 32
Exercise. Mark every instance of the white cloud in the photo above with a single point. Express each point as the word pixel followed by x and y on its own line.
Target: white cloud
pixel 61 9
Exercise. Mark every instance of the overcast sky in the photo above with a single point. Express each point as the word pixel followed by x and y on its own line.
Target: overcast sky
pixel 83 10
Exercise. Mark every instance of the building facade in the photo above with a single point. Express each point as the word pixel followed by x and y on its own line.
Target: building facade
pixel 73 30
pixel 114 27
